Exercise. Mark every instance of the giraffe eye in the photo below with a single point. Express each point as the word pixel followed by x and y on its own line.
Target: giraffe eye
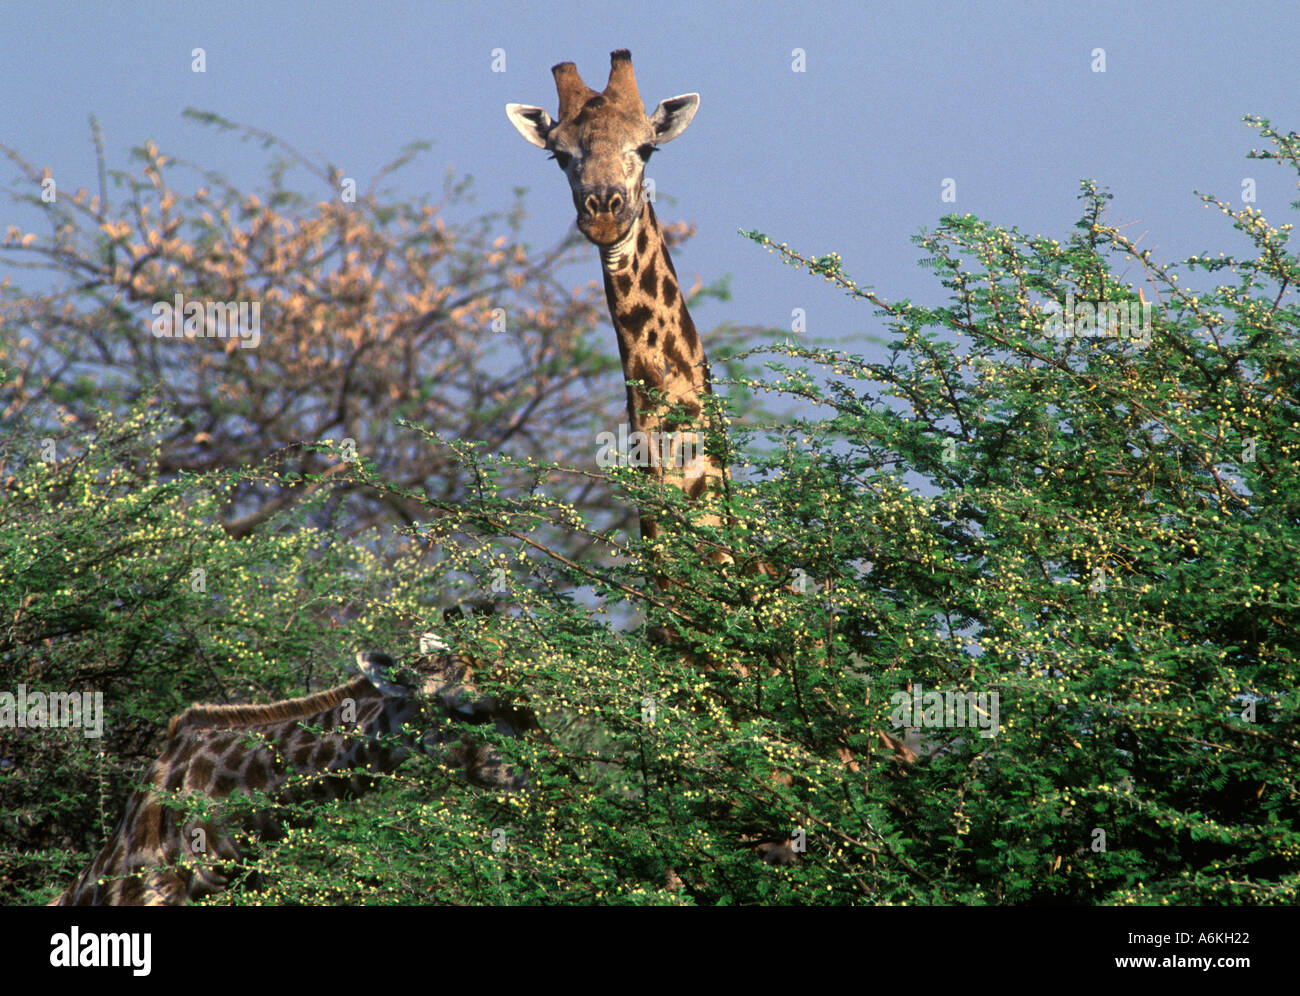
pixel 561 157
pixel 646 151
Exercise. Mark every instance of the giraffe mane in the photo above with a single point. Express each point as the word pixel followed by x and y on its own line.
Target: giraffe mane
pixel 227 716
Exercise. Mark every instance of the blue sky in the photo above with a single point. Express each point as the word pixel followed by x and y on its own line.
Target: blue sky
pixel 848 155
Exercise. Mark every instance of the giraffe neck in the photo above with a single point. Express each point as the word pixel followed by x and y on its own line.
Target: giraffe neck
pixel 658 345
pixel 158 857
pixel 322 746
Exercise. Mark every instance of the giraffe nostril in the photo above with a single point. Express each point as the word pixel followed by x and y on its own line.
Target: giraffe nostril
pixel 592 203
pixel 615 204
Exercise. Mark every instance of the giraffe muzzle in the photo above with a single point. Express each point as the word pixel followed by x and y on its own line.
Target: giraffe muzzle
pixel 604 215
pixel 604 200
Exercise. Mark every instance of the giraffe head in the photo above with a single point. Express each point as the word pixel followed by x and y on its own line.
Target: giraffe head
pixel 602 141
pixel 443 680
pixel 434 676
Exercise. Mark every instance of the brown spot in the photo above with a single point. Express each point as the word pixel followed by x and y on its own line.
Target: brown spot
pixel 649 278
pixel 224 785
pixel 322 755
pixel 673 350
pixel 642 240
pixel 624 282
pixel 697 486
pixel 652 338
pixel 669 291
pixel 255 777
pixel 132 893
pixel 174 778
pixel 690 338
pixel 157 825
pixel 201 771
pixel 640 369
pixel 668 261
pixel 179 751
pixel 633 321
pixel 301 755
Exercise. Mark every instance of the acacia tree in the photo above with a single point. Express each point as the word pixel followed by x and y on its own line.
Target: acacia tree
pixel 1090 528
pixel 369 309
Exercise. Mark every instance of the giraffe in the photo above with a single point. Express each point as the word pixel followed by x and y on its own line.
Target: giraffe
pixel 602 142
pixel 322 746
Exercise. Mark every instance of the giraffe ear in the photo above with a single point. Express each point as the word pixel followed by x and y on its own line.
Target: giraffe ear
pixel 673 115
pixel 533 122
pixel 378 670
